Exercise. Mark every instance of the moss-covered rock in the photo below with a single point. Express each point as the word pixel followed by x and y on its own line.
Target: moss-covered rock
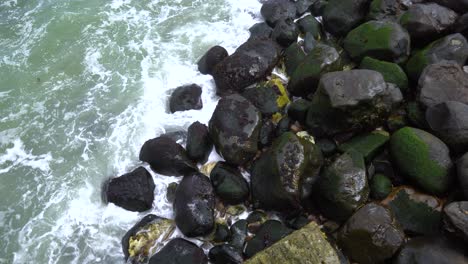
pixel 423 158
pixel 391 72
pixel 380 186
pixel 383 40
pixel 269 97
pixel 269 233
pixel 229 184
pixel 293 57
pixel 368 145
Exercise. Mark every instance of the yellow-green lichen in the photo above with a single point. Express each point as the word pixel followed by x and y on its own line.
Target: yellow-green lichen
pixel 207 168
pixel 143 243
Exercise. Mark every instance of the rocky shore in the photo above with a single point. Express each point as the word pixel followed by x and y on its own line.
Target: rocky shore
pixel 343 125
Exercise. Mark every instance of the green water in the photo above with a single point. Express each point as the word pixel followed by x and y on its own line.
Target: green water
pixel 82 85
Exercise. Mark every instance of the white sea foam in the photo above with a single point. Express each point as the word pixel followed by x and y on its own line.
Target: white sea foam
pixel 17 155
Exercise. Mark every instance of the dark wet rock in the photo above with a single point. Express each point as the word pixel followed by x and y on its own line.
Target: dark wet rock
pixel 179 251
pixel 260 31
pixel 382 164
pixel 267 133
pixel 327 146
pixel 462 173
pixel 303 6
pixel 369 145
pixel 251 62
pixel 352 100
pixel 383 40
pixel 456 219
pixel 384 10
pixel 199 144
pixel 422 158
pixel 185 98
pixel 380 186
pixel 417 213
pixel 283 125
pixel 133 191
pixel 225 254
pixel 449 121
pixel 269 233
pixel 194 205
pixel 452 47
pixel 234 128
pixel 371 235
pixel 342 187
pixel 285 32
pixel 211 58
pixel 255 220
pixel 166 157
pixel 430 250
pixel 298 110
pixel 310 43
pixel 179 136
pixel 283 176
pixel 322 59
pixel 391 72
pixel 268 97
pixel 276 10
pixel 298 222
pixel 222 233
pixel 441 82
pixel 293 57
pixel 460 6
pixel 318 8
pixel 228 183
pixel 427 22
pixel 416 115
pixel 170 191
pixel 138 244
pixel 310 24
pixel 238 234
pixel 461 26
pixel 341 16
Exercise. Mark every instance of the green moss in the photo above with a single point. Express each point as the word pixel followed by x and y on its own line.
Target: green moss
pixel 141 245
pixel 391 72
pixel 368 145
pixel 380 186
pixel 416 64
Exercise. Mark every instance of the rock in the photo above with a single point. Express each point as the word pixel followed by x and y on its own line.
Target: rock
pixel 368 145
pixel 380 186
pixel 391 72
pixel 285 32
pixel 310 24
pixel 179 251
pixel 322 59
pixel 269 233
pixel 384 10
pixel 276 10
pixel 416 115
pixel 302 6
pixel 238 234
pixel 194 205
pixel 449 121
pixel 462 172
pixel 170 192
pixel 143 239
pixel 229 184
pixel 456 219
pixel 342 187
pixel 423 158
pixel 430 250
pixel 460 6
pixel 221 233
pixel 293 57
pixel 199 144
pixel 268 97
pixel 371 235
pixel 234 129
pixel 327 146
pixel 318 8
pixel 308 245
pixel 427 22
pixel 267 133
pixel 225 254
pixel 179 136
pixel 340 16
pixel 211 58
pixel 133 191
pixel 166 157
pixel 442 82
pixel 383 40
pixel 186 97
pixel 255 220
pixel 298 222
pixel 282 177
pixel 260 31
pixel 283 126
pixel 461 26
pixel 417 213
pixel 252 62
pixel 298 110
pixel 352 100
pixel 452 47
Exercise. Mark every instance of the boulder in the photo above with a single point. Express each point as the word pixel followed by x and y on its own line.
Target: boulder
pixel 383 40
pixel 171 191
pixel 199 143
pixel 225 254
pixel 380 186
pixel 462 173
pixel 211 58
pixel 283 176
pixel 252 62
pixel 303 6
pixel 391 72
pixel 461 26
pixel 229 184
pixel 297 110
pixel 430 250
pixel 268 97
pixel 234 129
pixel 318 7
pixel 452 47
pixel 166 157
pixel 311 25
pixel 260 31
pixel 456 219
pixel 238 234
pixel 342 187
pixel 460 6
pixel 267 131
pixel 276 10
pixel 293 57
pixel 179 251
pixel 369 145
pixel 371 235
pixel 143 239
pixel 186 97
pixel 422 158
pixel 285 32
pixel 384 10
pixel 133 191
pixel 269 233
pixel 340 16
pixel 221 233
pixel 354 100
pixel 194 205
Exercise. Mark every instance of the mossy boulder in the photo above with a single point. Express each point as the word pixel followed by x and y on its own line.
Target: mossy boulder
pixel 199 143
pixel 340 16
pixel 431 250
pixel 269 233
pixel 293 57
pixel 269 97
pixel 229 184
pixel 234 129
pixel 391 72
pixel 342 187
pixel 283 176
pixel 179 251
pixel 368 145
pixel 380 186
pixel 422 158
pixel 383 40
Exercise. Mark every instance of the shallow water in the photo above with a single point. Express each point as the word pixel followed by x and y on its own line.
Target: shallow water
pixel 82 85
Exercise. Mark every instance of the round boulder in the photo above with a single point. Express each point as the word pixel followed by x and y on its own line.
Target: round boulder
pixel 269 233
pixel 186 97
pixel 225 254
pixel 229 184
pixel 285 32
pixel 260 31
pixel 179 251
pixel 211 58
pixel 276 10
pixel 456 219
pixel 340 16
pixel 199 144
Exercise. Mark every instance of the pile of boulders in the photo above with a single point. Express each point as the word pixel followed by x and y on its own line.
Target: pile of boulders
pixel 359 155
